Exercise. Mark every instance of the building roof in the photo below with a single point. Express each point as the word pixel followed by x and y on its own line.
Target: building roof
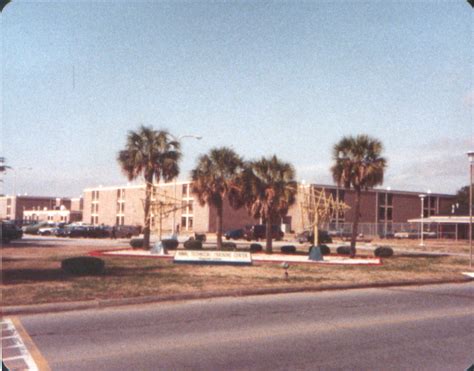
pixel 26 197
pixel 134 186
pixel 383 190
pixel 326 186
pixel 442 220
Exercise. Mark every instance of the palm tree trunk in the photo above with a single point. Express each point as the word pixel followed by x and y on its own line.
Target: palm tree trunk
pixel 146 229
pixel 268 235
pixel 355 225
pixel 219 226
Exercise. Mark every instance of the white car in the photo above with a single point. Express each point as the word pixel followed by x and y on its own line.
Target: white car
pixel 407 234
pixel 49 229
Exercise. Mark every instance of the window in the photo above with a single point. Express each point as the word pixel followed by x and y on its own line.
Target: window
pixel 121 194
pixel 190 222
pixel 190 207
pixel 183 222
pixel 185 190
pixel 381 213
pixel 385 201
pixel 120 207
pixel 95 195
pixel 430 206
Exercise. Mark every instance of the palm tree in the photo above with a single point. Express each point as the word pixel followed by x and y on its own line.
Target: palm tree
pixel 358 164
pixel 268 188
pixel 3 167
pixel 153 154
pixel 213 181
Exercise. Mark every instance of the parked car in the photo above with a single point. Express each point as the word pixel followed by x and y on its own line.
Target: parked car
pixel 258 231
pixel 429 234
pixel 308 236
pixel 85 231
pixel 61 231
pixel 75 231
pixel 387 235
pixel 407 234
pixel 126 231
pixel 339 233
pixel 10 232
pixel 234 234
pixel 50 229
pixel 34 228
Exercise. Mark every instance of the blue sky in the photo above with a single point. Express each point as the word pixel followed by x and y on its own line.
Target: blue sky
pixel 287 78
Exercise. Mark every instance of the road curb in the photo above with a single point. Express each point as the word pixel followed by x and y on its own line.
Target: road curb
pixel 107 303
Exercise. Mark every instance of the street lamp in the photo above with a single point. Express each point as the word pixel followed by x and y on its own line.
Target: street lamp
pixel 470 155
pixel 198 137
pixel 428 203
pixel 422 199
pixel 386 211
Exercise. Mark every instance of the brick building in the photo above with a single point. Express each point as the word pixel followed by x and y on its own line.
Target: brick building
pixel 14 207
pixel 61 215
pixel 383 210
pixel 125 206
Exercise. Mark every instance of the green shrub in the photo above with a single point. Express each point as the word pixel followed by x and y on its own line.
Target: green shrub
pixel 136 243
pixel 344 250
pixel 170 244
pixel 256 247
pixel 200 237
pixel 229 246
pixel 383 252
pixel 288 249
pixel 324 237
pixel 193 244
pixel 325 250
pixel 83 265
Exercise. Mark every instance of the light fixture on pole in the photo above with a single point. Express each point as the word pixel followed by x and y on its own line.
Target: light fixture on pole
pixel 386 212
pixel 470 155
pixel 198 137
pixel 422 199
pixel 428 203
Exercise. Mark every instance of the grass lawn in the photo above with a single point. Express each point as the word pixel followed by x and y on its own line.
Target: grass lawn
pixel 33 275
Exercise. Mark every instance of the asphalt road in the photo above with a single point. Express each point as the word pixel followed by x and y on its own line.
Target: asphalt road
pixel 430 327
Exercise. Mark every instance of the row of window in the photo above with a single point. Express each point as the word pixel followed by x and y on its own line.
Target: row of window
pixel 187 208
pixel 62 218
pixel 95 208
pixel 95 195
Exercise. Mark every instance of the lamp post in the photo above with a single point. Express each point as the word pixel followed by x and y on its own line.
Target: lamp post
pixel 198 137
pixel 422 198
pixel 470 155
pixel 386 212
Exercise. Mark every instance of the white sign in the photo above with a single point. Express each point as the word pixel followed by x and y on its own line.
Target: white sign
pixel 212 257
